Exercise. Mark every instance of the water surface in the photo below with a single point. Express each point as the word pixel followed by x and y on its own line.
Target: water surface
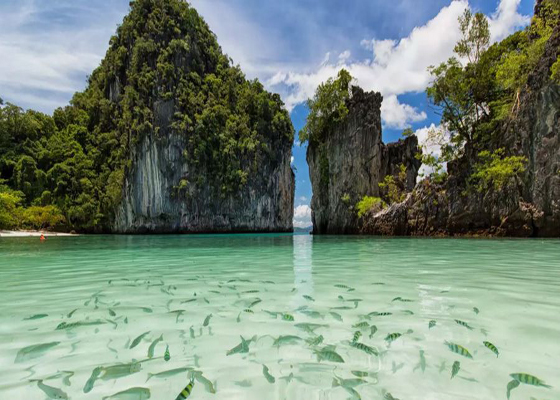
pixel 86 299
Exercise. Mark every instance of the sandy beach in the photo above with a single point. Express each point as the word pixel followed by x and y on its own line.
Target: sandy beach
pixel 14 234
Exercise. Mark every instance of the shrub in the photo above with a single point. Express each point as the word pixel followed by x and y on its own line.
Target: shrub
pixel 495 171
pixel 369 203
pixel 42 217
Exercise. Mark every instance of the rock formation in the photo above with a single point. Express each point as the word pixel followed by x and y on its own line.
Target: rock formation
pixel 528 208
pixel 206 150
pixel 351 162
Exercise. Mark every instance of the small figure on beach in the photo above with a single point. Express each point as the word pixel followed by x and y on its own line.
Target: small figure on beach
pixel 42 238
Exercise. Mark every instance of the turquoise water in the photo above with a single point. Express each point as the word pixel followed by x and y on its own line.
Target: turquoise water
pixel 94 305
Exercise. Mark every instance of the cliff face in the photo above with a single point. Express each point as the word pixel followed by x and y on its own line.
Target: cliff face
pixel 351 162
pixel 151 202
pixel 527 208
pixel 196 146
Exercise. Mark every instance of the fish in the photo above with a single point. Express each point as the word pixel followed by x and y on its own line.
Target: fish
pixel 365 348
pixel 51 392
pixel 137 341
pixel 152 347
pixel 254 303
pixel 379 314
pixel 244 383
pixel 71 313
pixel 147 310
pixel 455 369
pixel 252 291
pixel 65 325
pixel 248 311
pixel 422 363
pixel 315 341
pixel 361 325
pixel 191 332
pixel 395 367
pixel 347 383
pixel 510 386
pixel 34 351
pixel 208 385
pixel 442 367
pixel 273 313
pixel 166 355
pixel 493 348
pixel 357 336
pixel 432 324
pixel 360 374
pixel 402 300
pixel 135 393
pixel 341 308
pixel 328 354
pixel 267 375
pixel 119 370
pixel 91 381
pixel 284 340
pixel 336 316
pixel 112 313
pixel 36 316
pixel 341 286
pixel 476 310
pixel 529 380
pixel 392 337
pixel 287 317
pixel 462 323
pixel 310 327
pixel 389 396
pixel 312 314
pixel 207 320
pixel 306 297
pixel 66 378
pixel 178 313
pixel 372 331
pixel 408 312
pixel 458 349
pixel 186 392
pixel 242 347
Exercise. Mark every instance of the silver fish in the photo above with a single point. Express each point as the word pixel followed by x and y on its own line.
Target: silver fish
pixel 137 341
pixel 52 392
pixel 34 351
pixel 135 393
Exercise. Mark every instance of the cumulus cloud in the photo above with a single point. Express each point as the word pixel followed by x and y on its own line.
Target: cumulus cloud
pixel 302 216
pixel 400 66
pixel 44 61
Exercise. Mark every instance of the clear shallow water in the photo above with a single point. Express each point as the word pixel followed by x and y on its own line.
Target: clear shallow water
pixel 132 285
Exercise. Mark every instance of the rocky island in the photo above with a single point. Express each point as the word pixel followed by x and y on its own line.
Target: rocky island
pixel 168 136
pixel 499 171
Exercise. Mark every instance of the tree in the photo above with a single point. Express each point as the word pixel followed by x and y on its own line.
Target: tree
pixel 476 36
pixel 327 108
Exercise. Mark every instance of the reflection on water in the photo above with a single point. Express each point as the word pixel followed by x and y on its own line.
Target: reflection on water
pixel 279 317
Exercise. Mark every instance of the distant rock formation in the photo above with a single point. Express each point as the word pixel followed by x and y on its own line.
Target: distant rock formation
pixel 351 162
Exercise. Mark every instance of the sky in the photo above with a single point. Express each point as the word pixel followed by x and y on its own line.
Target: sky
pixel 49 47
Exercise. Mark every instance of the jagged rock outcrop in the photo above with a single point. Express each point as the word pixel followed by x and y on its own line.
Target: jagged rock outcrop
pixel 351 162
pixel 527 208
pixel 199 147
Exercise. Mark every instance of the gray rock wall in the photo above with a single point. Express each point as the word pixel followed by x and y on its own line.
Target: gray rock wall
pixel 351 162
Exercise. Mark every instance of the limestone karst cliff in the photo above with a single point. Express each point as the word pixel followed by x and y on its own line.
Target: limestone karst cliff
pixel 204 149
pixel 351 161
pixel 528 206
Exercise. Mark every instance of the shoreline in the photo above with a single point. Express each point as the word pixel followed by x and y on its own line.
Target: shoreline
pixel 23 234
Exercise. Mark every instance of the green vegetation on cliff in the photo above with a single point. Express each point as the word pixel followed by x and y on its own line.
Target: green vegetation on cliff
pixel 163 74
pixel 478 96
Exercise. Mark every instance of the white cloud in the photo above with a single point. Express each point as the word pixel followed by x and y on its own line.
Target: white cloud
pixel 303 198
pixel 398 115
pixel 303 211
pixel 400 67
pixel 344 56
pixel 506 20
pixel 292 160
pixel 302 216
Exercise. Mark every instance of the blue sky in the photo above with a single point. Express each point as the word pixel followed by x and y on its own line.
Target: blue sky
pixel 48 47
